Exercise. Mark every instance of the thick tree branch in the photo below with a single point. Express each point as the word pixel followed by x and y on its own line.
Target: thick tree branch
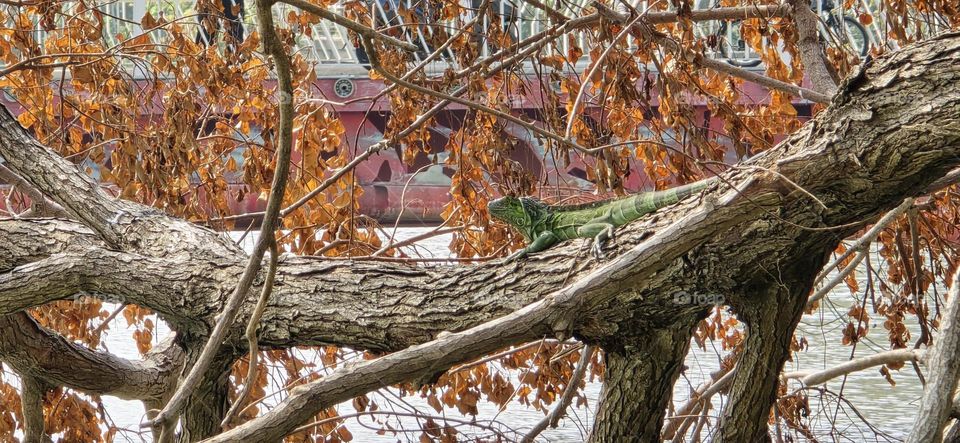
pixel 811 53
pixel 35 352
pixel 871 100
pixel 41 206
pixel 331 304
pixel 891 131
pixel 937 402
pixel 32 392
pixel 60 180
pixel 124 225
pixel 556 314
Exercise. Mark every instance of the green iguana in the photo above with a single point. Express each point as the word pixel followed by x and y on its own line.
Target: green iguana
pixel 544 225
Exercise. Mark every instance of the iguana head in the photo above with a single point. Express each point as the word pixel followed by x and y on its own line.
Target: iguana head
pixel 518 212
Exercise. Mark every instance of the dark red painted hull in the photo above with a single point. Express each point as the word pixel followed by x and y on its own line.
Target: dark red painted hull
pixel 392 190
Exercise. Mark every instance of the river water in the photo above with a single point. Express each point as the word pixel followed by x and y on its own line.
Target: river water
pixel 889 409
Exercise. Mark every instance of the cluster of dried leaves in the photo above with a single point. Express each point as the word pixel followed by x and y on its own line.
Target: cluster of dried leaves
pixel 186 127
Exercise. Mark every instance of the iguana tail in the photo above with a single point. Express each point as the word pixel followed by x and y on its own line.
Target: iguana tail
pixel 637 206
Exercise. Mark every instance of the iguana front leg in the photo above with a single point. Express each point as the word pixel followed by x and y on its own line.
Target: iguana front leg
pixel 600 230
pixel 543 242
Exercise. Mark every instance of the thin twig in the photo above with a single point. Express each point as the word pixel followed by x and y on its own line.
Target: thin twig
pixel 372 53
pixel 578 102
pixel 690 409
pixel 535 43
pixel 431 233
pixel 710 63
pixel 836 280
pixel 440 419
pixel 106 322
pixel 510 351
pixel 867 238
pixel 251 333
pixel 362 30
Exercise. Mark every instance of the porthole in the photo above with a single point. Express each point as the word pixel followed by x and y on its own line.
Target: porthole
pixel 343 87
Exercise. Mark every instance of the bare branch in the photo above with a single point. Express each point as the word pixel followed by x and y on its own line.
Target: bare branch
pixel 811 52
pixel 362 30
pixel 553 418
pixel 553 13
pixel 77 193
pixel 688 411
pixel 375 63
pixel 951 178
pixel 710 63
pixel 762 80
pixel 251 333
pixel 836 280
pixel 578 101
pixel 554 314
pixel 811 378
pixel 860 247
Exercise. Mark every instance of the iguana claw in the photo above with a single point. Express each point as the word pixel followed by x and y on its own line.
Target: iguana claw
pixel 597 250
pixel 600 241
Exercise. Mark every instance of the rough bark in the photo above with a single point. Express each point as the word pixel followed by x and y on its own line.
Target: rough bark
pixel 790 255
pixel 937 402
pixel 811 52
pixel 207 403
pixel 40 206
pixel 638 384
pixel 559 313
pixel 862 156
pixel 35 352
pixel 770 320
pixel 31 400
pixel 203 363
pixel 891 131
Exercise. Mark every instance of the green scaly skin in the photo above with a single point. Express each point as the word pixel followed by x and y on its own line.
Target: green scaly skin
pixel 544 225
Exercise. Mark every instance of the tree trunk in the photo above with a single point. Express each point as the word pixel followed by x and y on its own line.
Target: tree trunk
pixel 208 403
pixel 31 396
pixel 770 319
pixel 638 384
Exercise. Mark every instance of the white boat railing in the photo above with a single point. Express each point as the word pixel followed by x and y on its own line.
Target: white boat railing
pixel 330 44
